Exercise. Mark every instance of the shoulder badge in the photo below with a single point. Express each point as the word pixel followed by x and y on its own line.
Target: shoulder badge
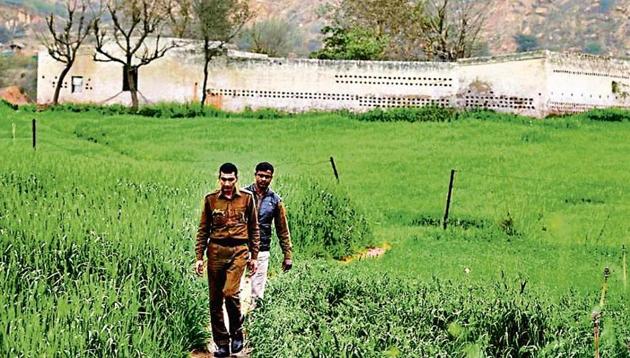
pixel 213 193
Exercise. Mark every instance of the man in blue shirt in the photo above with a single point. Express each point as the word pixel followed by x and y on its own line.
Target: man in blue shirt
pixel 270 209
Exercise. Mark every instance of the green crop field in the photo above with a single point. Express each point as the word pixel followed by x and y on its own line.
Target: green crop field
pixel 97 234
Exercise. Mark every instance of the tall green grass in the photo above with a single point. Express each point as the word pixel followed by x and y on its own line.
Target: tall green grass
pixel 332 311
pixel 97 227
pixel 95 261
pixel 325 223
pixel 97 251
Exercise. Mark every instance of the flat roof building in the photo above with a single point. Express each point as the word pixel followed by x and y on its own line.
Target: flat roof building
pixel 534 83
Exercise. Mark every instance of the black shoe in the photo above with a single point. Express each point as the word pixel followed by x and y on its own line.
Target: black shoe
pixel 237 342
pixel 222 351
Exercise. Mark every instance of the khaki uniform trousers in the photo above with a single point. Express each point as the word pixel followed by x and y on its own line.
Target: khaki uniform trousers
pixel 226 264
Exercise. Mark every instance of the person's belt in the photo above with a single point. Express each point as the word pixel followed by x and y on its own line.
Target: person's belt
pixel 229 242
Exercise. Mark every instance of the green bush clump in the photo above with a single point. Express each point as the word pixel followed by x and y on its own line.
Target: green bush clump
pixel 420 114
pixel 429 113
pixel 174 110
pixel 352 312
pixel 324 221
pixel 491 115
pixel 607 115
pixel 264 113
pixel 108 110
pixel 163 110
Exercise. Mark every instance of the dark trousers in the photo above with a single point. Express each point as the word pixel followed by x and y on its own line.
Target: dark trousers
pixel 225 267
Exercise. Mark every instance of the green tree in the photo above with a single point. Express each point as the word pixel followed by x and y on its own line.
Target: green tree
pixel 593 47
pixel 526 43
pixel 351 44
pixel 217 22
pixel 442 30
pixel 394 25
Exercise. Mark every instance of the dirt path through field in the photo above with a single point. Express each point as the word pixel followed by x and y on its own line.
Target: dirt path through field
pixel 368 253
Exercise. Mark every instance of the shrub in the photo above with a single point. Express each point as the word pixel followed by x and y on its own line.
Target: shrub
pixel 324 221
pixel 526 43
pixel 608 115
pixel 419 114
pixel 164 110
pixel 264 113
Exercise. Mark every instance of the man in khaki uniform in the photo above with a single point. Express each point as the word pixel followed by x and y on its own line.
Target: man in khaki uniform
pixel 228 230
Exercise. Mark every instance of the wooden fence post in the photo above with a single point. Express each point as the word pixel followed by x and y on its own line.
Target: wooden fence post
pixel 34 134
pixel 448 199
pixel 332 162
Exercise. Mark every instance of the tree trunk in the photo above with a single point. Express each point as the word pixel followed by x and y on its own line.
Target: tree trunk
pixel 206 61
pixel 132 88
pixel 62 76
pixel 134 101
pixel 204 94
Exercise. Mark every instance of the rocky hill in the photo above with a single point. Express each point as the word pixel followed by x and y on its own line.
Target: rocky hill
pixel 597 26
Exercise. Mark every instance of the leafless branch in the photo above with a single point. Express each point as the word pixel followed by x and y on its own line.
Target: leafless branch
pixel 132 24
pixel 64 40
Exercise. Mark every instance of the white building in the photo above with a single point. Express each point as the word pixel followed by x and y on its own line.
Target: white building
pixel 535 83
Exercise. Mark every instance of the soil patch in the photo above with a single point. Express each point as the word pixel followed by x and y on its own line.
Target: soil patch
pixel 14 95
pixel 368 253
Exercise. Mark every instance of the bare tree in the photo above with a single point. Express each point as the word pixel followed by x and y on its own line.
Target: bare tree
pixel 65 38
pixel 180 16
pixel 451 28
pixel 217 23
pixel 133 23
pixel 274 37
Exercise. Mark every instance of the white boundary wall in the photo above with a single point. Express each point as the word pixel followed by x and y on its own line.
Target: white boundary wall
pixel 535 84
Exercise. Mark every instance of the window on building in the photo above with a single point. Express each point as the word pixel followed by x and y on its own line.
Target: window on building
pixel 134 76
pixel 77 84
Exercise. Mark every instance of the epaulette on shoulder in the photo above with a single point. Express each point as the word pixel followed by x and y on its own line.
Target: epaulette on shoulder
pixel 213 193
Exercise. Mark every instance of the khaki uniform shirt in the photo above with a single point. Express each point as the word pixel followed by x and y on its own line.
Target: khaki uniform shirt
pixel 231 220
